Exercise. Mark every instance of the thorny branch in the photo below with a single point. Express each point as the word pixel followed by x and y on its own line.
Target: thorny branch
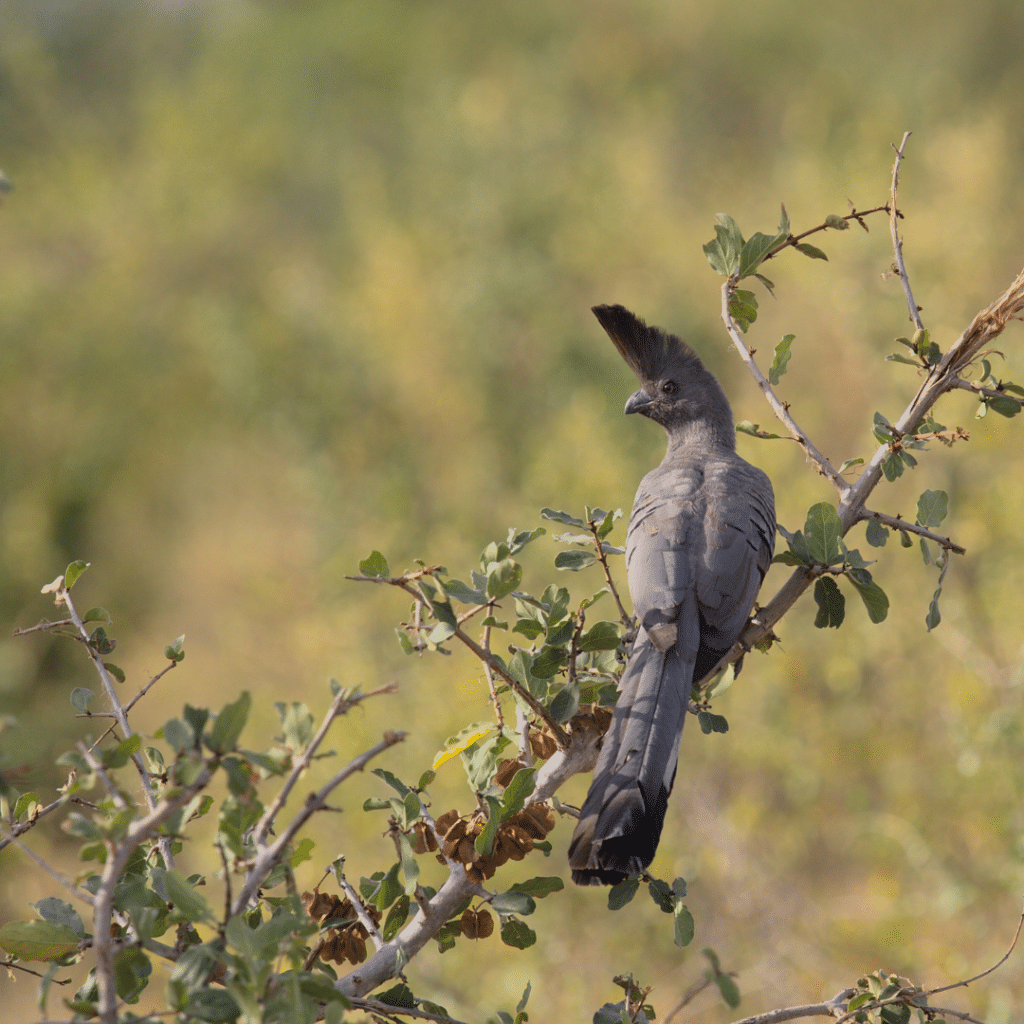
pixel 982 331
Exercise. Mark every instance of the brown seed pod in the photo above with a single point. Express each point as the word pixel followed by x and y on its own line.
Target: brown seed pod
pixel 484 923
pixel 507 770
pixel 538 816
pixel 466 851
pixel 542 744
pixel 318 906
pixel 357 948
pixel 470 925
pixel 423 838
pixel 445 822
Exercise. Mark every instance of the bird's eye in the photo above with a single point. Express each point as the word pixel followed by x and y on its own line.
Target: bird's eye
pixel 669 387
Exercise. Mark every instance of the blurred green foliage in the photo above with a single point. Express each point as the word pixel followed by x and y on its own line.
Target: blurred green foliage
pixel 283 283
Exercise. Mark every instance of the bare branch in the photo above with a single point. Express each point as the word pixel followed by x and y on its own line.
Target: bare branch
pixel 994 967
pixel 825 468
pixel 897 242
pixel 43 626
pixel 834 1007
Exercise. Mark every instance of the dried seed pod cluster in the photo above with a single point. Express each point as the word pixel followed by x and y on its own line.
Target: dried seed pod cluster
pixel 513 841
pixel 590 718
pixel 348 941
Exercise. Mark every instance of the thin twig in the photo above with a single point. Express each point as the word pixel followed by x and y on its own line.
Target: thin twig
pixel 489 674
pixel 626 619
pixel 149 686
pixel 357 905
pixel 43 625
pixel 854 214
pixel 13 964
pixel 970 385
pixel 81 894
pixel 404 583
pixel 897 242
pixel 394 1012
pixel 995 966
pixel 895 523
pixel 688 997
pixel 339 706
pixel 781 410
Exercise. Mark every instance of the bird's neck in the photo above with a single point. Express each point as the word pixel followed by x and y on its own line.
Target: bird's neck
pixel 700 435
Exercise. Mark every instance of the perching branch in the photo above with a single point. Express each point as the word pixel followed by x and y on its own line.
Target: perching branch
pixel 834 1007
pixel 897 242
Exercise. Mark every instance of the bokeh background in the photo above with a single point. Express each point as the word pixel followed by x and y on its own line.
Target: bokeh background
pixel 282 283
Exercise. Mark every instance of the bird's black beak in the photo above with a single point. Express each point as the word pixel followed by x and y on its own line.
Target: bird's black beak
pixel 639 401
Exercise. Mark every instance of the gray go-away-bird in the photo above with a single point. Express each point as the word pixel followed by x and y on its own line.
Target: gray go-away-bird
pixel 699 541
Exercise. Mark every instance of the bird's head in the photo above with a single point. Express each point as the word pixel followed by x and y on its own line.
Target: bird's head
pixel 676 389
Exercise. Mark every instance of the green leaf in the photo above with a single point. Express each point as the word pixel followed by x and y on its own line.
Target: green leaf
pixel 517 935
pixel 931 508
pixel 540 886
pixel 548 662
pixel 833 220
pixel 397 916
pixel 187 900
pixel 831 603
pixel 463 593
pixel 80 697
pixel 566 703
pixel 38 940
pixel 823 530
pixel 410 866
pixel 516 792
pixel 117 673
pixel 877 534
pixel 96 614
pixel 684 927
pixel 503 578
pixel 132 969
pixel 727 986
pixel 574 560
pixel 602 636
pixel 303 852
pixel 530 628
pixel 515 901
pixel 892 466
pixel 934 617
pixel 810 250
pixel 175 651
pixel 874 597
pixel 621 894
pixel 400 995
pixel 897 358
pixel 562 517
pixel 73 571
pixel 375 566
pixel 230 723
pixel 25 801
pixel 781 360
pixel 49 908
pixel 754 430
pixel 394 782
pixel 710 722
pixel 743 306
pixel 755 249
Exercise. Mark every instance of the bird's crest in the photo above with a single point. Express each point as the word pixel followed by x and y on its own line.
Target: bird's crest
pixel 648 351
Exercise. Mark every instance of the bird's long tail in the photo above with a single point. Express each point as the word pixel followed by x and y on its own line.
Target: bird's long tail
pixel 621 819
